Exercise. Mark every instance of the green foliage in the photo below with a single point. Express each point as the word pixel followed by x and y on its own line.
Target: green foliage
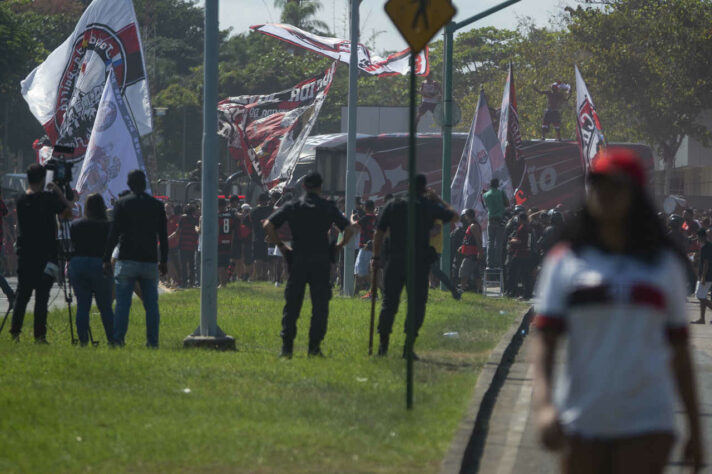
pixel 71 409
pixel 652 63
pixel 648 66
pixel 302 14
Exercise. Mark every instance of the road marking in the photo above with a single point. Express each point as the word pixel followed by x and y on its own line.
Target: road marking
pixel 517 424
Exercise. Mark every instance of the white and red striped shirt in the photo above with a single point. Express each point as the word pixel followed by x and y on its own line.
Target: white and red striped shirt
pixel 619 314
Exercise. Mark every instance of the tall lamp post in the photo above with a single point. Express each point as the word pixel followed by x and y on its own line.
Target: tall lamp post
pixel 208 334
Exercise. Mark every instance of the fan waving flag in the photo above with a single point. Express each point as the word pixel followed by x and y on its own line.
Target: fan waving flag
pixel 340 49
pixel 481 160
pixel 267 132
pixel 588 127
pixel 113 150
pixel 63 92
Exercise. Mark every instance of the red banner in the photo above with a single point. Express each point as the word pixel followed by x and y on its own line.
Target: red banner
pixel 266 133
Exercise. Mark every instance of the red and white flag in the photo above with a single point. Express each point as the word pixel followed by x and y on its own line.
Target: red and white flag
pixel 588 127
pixel 482 159
pixel 266 133
pixel 510 136
pixel 340 49
pixel 63 92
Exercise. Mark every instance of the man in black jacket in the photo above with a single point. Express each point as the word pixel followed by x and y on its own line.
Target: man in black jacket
pixel 429 207
pixel 138 220
pixel 37 248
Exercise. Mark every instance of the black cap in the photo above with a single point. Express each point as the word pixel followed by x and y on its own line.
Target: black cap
pixel 312 180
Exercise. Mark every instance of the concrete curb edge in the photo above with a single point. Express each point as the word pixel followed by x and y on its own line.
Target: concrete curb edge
pixel 462 456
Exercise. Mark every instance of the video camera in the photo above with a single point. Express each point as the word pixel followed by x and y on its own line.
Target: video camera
pixel 61 169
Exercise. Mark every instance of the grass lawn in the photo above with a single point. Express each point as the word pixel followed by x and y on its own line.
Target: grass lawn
pixel 67 409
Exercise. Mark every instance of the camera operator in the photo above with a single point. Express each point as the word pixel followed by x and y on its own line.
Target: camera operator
pixel 89 237
pixel 37 248
pixel 139 221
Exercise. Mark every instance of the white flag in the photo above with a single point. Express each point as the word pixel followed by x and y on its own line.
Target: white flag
pixel 588 127
pixel 64 91
pixel 114 149
pixel 482 159
pixel 340 49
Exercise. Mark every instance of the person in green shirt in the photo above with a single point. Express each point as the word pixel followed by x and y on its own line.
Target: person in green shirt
pixel 496 202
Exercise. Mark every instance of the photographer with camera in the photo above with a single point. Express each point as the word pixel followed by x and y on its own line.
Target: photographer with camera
pixel 37 248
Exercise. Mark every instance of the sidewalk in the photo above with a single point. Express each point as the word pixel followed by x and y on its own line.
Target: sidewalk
pixel 511 445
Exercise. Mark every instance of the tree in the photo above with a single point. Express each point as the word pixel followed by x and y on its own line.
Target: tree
pixel 302 13
pixel 654 60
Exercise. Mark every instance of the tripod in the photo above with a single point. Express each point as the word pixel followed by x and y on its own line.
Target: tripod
pixel 65 252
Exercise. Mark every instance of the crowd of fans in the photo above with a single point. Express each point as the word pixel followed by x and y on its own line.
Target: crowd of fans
pixel 246 255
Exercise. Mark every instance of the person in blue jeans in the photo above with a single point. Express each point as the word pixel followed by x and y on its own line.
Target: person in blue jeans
pixel 139 225
pixel 85 268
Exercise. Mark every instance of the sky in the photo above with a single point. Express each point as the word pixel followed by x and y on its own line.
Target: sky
pixel 240 14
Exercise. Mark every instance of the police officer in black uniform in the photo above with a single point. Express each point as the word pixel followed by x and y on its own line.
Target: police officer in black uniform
pixel 394 219
pixel 310 218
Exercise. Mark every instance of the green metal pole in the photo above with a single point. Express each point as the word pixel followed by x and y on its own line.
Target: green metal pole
pixel 209 228
pixel 447 139
pixel 411 264
pixel 448 40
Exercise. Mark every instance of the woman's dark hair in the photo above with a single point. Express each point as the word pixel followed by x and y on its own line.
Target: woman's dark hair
pixel 96 208
pixel 646 235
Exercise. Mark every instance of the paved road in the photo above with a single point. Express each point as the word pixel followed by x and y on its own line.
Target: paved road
pixel 511 444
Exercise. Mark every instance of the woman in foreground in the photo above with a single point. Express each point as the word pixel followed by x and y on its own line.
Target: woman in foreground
pixel 616 288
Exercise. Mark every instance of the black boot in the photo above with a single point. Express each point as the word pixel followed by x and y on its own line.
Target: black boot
pixel 383 346
pixel 315 350
pixel 287 348
pixel 405 354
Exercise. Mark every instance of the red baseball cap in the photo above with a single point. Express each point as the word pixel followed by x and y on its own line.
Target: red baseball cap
pixel 619 160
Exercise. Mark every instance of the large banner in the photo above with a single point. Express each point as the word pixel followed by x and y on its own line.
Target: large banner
pixel 588 127
pixel 267 132
pixel 340 49
pixel 63 92
pixel 482 159
pixel 114 148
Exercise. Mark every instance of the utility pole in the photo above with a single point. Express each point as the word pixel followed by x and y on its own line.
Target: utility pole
pixel 208 333
pixel 348 277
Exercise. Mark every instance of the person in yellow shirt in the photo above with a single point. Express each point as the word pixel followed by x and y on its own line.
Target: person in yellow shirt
pixel 436 246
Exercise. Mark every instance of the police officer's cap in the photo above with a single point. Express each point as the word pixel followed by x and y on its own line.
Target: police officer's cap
pixel 312 180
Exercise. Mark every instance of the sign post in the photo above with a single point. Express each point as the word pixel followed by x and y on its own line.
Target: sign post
pixel 417 21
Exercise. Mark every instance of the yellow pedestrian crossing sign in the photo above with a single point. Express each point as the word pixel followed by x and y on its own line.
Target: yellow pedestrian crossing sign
pixel 419 20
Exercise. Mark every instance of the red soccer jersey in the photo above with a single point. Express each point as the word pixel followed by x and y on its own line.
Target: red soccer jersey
pixel 226 228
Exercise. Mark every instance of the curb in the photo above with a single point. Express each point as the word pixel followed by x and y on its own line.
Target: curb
pixel 466 448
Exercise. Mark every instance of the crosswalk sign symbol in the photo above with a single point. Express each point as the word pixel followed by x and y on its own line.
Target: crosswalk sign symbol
pixel 419 20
